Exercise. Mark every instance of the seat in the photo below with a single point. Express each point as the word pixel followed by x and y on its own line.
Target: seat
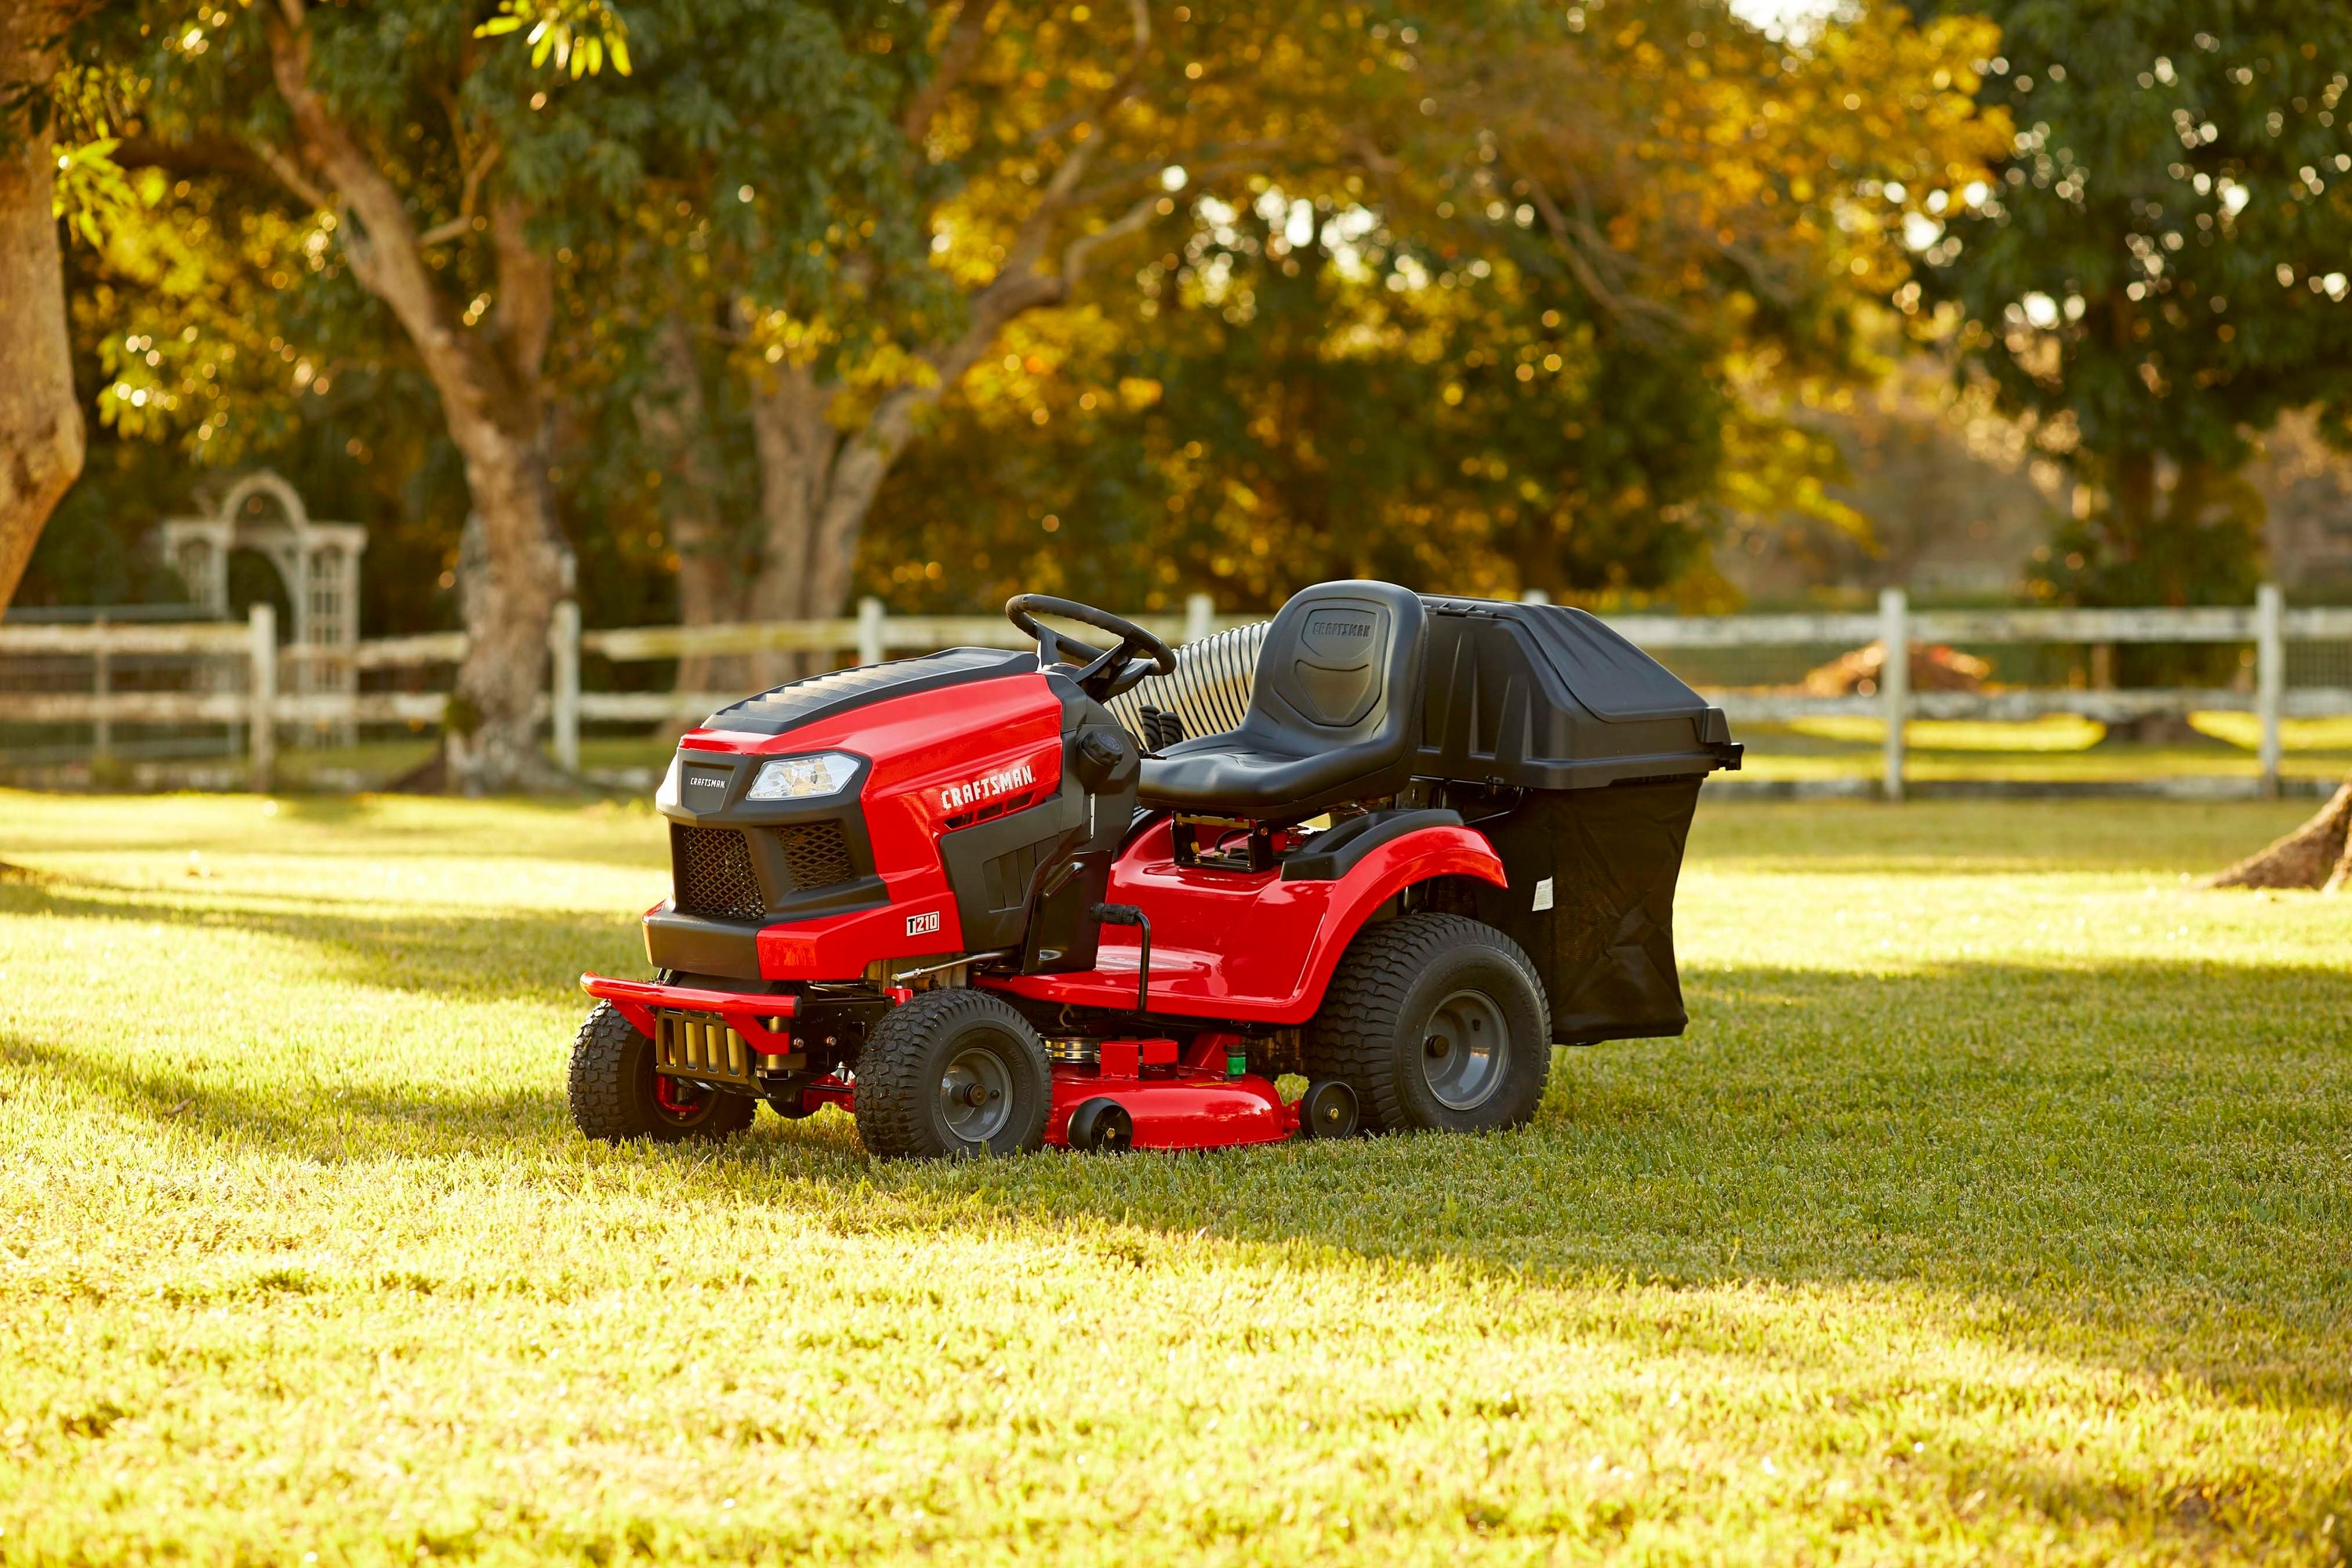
pixel 1334 713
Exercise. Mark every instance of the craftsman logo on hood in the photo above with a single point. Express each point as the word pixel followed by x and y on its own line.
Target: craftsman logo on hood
pixel 988 786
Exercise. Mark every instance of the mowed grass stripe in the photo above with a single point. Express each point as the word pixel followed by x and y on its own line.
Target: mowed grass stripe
pixel 1998 1204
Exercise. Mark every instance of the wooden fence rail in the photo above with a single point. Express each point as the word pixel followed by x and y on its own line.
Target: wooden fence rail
pixel 261 705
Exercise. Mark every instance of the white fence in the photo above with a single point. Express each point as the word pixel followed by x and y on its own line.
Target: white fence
pixel 261 703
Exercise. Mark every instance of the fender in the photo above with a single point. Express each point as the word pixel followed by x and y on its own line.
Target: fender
pixel 1250 947
pixel 1420 855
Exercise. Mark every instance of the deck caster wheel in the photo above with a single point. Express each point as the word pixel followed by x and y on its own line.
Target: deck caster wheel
pixel 953 1071
pixel 1103 1126
pixel 1438 1023
pixel 616 1096
pixel 1328 1110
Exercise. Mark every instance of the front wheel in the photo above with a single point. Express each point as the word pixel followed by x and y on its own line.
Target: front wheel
pixel 616 1096
pixel 953 1071
pixel 1437 1022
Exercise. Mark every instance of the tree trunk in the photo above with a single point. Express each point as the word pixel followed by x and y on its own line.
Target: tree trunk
pixel 2314 855
pixel 675 421
pixel 509 589
pixel 491 382
pixel 40 419
pixel 817 482
pixel 2131 504
pixel 796 445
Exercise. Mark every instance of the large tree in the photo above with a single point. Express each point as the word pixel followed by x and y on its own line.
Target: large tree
pixel 2164 267
pixel 1482 283
pixel 1511 332
pixel 457 176
pixel 1022 144
pixel 40 418
pixel 2159 268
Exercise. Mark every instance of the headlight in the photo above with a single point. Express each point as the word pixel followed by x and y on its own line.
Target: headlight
pixel 803 778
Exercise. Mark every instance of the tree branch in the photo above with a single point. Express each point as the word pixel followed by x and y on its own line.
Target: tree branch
pixel 964 39
pixel 463 224
pixel 526 303
pixel 383 245
pixel 289 175
pixel 1079 251
pixel 1637 315
pixel 1028 246
pixel 1121 89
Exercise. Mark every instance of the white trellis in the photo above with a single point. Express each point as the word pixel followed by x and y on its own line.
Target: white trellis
pixel 317 562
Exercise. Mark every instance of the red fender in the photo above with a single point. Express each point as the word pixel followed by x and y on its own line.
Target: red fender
pixel 1249 946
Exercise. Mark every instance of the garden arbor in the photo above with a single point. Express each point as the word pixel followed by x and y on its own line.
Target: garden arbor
pixel 318 564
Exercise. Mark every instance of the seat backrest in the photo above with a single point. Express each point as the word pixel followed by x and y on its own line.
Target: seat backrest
pixel 1341 668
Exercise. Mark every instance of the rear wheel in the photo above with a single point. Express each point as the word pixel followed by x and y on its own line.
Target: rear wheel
pixel 953 1071
pixel 1435 1021
pixel 615 1094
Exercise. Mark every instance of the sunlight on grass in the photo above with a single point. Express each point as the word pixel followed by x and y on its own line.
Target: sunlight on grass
pixel 2051 733
pixel 2245 730
pixel 1996 1205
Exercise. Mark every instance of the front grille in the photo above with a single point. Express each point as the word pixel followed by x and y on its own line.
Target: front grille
pixel 711 874
pixel 703 1048
pixel 816 853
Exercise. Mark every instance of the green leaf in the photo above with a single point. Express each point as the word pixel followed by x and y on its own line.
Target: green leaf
pixel 498 24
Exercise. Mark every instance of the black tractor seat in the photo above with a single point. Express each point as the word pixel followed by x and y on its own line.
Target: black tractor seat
pixel 1334 713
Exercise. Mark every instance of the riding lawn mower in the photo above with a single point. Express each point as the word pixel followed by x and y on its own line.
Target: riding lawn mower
pixel 1104 898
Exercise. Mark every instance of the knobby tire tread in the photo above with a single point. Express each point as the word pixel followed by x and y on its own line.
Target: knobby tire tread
pixel 600 1104
pixel 599 1088
pixel 1353 1034
pixel 890 1077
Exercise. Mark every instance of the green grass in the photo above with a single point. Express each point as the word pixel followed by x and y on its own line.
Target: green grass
pixel 1997 1206
pixel 2059 749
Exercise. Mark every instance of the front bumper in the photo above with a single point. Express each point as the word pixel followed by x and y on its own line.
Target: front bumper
pixel 712 1037
pixel 757 1016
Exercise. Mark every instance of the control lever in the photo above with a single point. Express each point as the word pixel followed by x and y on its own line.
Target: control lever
pixel 1129 915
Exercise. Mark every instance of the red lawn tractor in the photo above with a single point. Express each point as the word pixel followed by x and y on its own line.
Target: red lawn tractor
pixel 1102 897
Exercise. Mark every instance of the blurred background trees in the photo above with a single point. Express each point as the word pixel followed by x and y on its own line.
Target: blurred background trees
pixel 2158 272
pixel 740 308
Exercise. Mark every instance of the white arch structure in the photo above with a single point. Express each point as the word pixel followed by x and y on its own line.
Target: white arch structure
pixel 317 562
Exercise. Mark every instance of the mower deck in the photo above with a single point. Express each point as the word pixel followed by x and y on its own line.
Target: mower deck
pixel 1174 1096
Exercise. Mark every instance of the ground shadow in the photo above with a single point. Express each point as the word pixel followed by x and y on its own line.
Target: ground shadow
pixel 2070 1152
pixel 478 952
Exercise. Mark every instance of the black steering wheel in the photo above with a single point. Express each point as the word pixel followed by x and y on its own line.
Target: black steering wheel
pixel 1101 673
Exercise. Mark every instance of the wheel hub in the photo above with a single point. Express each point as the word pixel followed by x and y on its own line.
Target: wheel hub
pixel 975 1095
pixel 1465 1051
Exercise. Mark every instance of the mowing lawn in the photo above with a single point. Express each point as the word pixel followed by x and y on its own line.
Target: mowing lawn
pixel 1998 1205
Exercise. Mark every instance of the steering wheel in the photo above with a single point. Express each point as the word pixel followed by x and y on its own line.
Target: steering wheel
pixel 1102 673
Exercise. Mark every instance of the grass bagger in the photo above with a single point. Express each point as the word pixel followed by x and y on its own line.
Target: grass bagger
pixel 1103 897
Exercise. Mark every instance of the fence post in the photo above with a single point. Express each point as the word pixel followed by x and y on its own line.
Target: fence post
pixel 261 721
pixel 2270 676
pixel 564 674
pixel 1894 683
pixel 869 630
pixel 1200 615
pixel 102 687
